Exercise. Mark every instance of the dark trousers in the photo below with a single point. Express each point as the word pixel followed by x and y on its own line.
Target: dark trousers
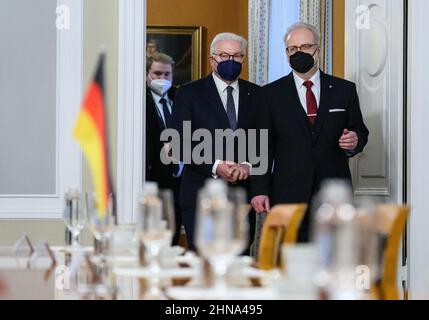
pixel 177 213
pixel 251 219
pixel 188 219
pixel 305 232
pixel 178 218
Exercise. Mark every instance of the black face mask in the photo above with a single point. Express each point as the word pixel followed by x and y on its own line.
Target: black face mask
pixel 302 62
pixel 229 70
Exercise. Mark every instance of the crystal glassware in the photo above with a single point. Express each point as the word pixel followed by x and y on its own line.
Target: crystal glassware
pixel 156 228
pixel 222 229
pixel 101 224
pixel 74 215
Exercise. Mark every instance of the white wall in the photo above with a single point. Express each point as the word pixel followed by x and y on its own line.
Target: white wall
pixel 101 31
pixel 419 151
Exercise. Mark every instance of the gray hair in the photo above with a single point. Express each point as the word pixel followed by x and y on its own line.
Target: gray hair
pixel 303 25
pixel 228 36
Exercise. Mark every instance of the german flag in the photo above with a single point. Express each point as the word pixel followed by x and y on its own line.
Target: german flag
pixel 91 132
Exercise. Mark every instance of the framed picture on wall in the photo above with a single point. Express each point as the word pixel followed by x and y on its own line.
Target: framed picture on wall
pixel 183 44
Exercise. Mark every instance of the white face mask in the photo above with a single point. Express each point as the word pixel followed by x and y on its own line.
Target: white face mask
pixel 160 86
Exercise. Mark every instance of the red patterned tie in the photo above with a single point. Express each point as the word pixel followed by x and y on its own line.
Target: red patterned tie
pixel 311 103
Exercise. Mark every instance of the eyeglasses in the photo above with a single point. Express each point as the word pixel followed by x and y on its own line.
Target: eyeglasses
pixel 225 56
pixel 304 47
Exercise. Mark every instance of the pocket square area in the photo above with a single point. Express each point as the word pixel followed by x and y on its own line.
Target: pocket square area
pixel 337 110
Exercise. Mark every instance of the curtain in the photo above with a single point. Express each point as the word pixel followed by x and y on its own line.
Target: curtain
pixel 259 17
pixel 258 41
pixel 318 13
pixel 282 15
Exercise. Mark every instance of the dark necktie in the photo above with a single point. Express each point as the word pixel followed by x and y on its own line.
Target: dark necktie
pixel 230 109
pixel 167 114
pixel 311 103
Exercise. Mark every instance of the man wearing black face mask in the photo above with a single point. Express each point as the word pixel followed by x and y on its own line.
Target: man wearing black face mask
pixel 315 124
pixel 219 101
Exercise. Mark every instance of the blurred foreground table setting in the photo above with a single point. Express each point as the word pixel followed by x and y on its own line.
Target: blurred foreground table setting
pixel 352 255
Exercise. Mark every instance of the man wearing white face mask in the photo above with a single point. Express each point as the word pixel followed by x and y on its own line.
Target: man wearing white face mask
pixel 159 106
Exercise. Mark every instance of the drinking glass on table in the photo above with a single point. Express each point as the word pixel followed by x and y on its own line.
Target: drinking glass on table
pixel 156 228
pixel 221 229
pixel 74 215
pixel 101 222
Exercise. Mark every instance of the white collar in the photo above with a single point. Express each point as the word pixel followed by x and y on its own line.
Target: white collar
pixel 222 85
pixel 158 98
pixel 299 82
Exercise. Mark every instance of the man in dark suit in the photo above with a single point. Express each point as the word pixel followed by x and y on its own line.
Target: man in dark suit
pixel 315 125
pixel 159 105
pixel 219 101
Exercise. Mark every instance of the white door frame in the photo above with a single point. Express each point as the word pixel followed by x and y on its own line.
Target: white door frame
pixel 418 88
pixel 131 107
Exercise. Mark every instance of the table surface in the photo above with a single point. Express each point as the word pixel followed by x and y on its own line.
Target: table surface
pixel 37 279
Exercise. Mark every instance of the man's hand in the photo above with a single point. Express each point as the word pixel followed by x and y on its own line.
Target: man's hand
pixel 349 140
pixel 229 171
pixel 167 155
pixel 261 204
pixel 241 173
pixel 244 172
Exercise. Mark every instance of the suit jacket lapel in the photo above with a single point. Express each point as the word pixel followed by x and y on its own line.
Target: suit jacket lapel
pixel 326 87
pixel 215 101
pixel 154 110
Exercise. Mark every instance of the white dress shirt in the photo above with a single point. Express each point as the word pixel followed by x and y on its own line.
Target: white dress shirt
pixel 302 89
pixel 223 93
pixel 158 104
